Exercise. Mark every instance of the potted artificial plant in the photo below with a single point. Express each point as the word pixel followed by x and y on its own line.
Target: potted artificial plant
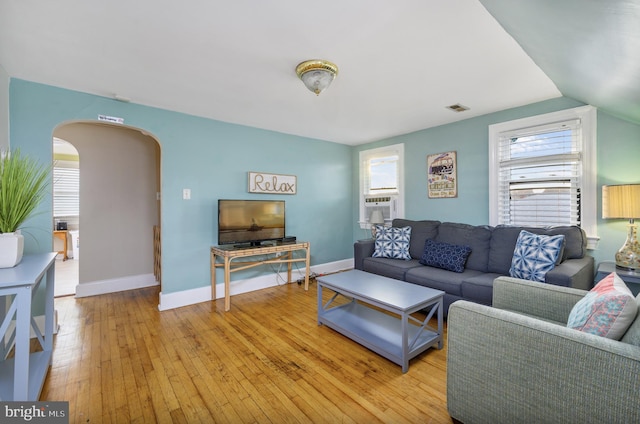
pixel 23 182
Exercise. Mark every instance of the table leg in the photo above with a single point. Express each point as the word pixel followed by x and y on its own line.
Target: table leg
pixel 405 342
pixel 64 249
pixel 213 276
pixel 22 331
pixel 289 257
pixel 440 312
pixel 320 308
pixel 227 284
pixel 307 262
pixel 48 309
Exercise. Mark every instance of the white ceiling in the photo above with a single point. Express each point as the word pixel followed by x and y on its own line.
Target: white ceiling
pixel 401 63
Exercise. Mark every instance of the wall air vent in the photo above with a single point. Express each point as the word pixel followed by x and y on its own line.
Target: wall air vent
pixel 457 108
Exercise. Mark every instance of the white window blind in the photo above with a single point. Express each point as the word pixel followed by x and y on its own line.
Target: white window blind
pixel 66 191
pixel 543 171
pixel 540 175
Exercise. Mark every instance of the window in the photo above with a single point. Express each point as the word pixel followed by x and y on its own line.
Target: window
pixel 542 170
pixel 66 192
pixel 381 182
pixel 383 175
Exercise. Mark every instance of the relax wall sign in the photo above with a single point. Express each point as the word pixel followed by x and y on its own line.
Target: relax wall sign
pixel 261 182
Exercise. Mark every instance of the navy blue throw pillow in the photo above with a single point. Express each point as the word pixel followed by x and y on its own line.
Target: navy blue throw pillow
pixel 444 255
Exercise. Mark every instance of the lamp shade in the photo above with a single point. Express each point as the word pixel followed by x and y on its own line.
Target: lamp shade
pixel 376 218
pixel 621 201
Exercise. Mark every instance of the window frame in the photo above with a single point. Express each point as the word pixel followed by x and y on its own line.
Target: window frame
pixel 380 152
pixel 587 115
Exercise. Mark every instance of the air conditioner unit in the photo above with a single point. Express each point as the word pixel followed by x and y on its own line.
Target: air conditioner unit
pixel 387 204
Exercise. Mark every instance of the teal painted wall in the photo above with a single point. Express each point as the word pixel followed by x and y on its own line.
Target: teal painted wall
pixel 211 158
pixel 4 109
pixel 618 163
pixel 618 153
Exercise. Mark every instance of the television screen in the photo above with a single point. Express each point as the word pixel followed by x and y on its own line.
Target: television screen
pixel 250 221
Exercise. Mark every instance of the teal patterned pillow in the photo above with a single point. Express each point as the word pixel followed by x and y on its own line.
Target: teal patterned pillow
pixel 444 255
pixel 392 242
pixel 535 255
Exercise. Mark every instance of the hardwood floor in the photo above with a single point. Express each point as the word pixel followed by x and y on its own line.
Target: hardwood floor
pixel 117 359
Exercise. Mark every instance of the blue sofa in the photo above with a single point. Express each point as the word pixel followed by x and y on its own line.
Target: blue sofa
pixel 491 253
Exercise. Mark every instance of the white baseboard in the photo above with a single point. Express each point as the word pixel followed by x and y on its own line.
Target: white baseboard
pixel 115 285
pixel 203 294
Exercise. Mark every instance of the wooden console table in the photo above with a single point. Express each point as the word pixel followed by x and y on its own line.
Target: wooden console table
pixel 277 253
pixel 22 377
pixel 64 236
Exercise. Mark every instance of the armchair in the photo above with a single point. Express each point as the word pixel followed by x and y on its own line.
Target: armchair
pixel 518 362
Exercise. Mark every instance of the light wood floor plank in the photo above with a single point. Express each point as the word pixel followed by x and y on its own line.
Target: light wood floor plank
pixel 118 359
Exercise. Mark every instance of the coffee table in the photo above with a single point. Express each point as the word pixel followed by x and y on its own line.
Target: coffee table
pixel 396 335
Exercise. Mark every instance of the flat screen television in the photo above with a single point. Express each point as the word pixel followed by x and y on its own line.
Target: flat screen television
pixel 250 222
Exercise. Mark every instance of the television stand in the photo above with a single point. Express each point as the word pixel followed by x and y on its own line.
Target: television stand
pixel 277 253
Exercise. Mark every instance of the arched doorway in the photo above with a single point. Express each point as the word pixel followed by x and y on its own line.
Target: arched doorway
pixel 66 215
pixel 119 205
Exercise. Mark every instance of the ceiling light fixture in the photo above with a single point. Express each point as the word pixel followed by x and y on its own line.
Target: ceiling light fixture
pixel 316 74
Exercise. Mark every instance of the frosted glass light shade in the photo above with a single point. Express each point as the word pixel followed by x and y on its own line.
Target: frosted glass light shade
pixel 316 74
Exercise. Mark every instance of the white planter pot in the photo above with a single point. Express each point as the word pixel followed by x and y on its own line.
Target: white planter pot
pixel 11 249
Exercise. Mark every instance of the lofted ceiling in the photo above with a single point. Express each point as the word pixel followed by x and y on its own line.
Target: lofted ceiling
pixel 401 63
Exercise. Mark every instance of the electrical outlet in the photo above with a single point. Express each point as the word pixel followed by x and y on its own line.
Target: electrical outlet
pixel 186 193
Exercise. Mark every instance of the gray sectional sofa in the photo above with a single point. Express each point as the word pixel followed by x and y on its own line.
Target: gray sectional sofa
pixel 491 254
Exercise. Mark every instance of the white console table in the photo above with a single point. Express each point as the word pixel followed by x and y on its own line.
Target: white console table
pixel 23 375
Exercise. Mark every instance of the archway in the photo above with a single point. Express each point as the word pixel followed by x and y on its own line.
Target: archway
pixel 66 214
pixel 119 205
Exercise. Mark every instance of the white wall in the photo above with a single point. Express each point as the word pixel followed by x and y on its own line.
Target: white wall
pixel 118 207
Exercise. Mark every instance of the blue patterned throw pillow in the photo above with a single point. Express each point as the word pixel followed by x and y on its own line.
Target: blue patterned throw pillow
pixel 535 255
pixel 392 242
pixel 444 255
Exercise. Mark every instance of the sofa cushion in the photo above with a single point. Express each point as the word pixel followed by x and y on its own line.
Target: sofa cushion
pixel 575 240
pixel 391 268
pixel 535 255
pixel 420 231
pixel 447 256
pixel 503 241
pixel 440 279
pixel 479 288
pixel 607 310
pixel 476 237
pixel 392 242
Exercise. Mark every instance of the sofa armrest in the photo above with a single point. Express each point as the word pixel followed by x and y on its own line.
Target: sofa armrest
pixel 506 367
pixel 545 301
pixel 362 249
pixel 576 273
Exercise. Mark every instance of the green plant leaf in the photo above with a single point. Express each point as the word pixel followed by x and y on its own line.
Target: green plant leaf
pixel 23 184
